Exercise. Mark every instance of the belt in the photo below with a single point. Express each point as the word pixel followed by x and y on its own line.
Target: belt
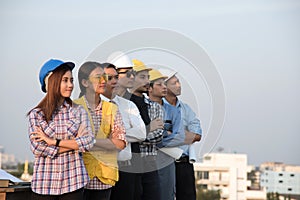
pixel 135 147
pixel 184 159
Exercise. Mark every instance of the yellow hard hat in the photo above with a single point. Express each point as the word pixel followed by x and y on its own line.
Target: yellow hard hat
pixel 139 66
pixel 155 74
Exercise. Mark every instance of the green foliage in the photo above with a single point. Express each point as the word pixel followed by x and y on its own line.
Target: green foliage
pixel 19 169
pixel 272 196
pixel 203 194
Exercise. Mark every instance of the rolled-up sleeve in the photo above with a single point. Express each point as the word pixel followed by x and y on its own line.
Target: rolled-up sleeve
pixel 155 112
pixel 39 148
pixel 137 130
pixel 118 128
pixel 85 136
pixel 189 117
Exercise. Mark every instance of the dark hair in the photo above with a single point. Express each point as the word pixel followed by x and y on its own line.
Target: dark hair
pixel 84 73
pixel 151 84
pixel 109 65
pixel 51 101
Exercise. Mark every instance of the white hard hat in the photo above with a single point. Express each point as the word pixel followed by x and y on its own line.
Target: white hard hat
pixel 167 72
pixel 120 60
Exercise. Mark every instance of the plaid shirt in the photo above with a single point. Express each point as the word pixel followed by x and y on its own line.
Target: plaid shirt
pixel 118 132
pixel 56 174
pixel 148 147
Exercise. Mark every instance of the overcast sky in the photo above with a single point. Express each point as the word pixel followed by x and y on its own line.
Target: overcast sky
pixel 254 45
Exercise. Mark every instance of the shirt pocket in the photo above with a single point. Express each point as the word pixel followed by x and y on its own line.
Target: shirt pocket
pixel 72 127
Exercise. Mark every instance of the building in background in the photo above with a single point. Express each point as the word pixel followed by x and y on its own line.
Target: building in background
pixel 6 160
pixel 280 178
pixel 227 173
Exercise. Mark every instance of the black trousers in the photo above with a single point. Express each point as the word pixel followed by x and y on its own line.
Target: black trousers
pixel 128 186
pixel 97 194
pixel 75 195
pixel 138 181
pixel 185 181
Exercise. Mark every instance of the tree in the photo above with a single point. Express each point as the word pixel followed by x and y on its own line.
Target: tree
pixel 272 196
pixel 203 194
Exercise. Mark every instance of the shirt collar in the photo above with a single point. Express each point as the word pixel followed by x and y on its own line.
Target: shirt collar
pixel 99 106
pixel 146 100
pixel 104 98
pixel 178 104
pixel 64 105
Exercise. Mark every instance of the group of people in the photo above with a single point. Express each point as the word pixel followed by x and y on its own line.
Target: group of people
pixel 127 136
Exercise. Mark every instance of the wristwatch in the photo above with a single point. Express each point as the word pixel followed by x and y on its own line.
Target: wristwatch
pixel 57 142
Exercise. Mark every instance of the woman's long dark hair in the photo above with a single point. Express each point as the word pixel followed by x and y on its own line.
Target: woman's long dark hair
pixel 51 101
pixel 84 73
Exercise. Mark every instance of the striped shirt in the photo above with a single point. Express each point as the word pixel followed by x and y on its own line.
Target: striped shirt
pixel 118 132
pixel 56 174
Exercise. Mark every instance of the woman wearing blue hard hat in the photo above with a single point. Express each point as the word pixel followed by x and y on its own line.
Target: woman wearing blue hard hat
pixel 59 131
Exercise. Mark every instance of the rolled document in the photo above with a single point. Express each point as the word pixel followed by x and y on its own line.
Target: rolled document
pixel 172 151
pixel 192 153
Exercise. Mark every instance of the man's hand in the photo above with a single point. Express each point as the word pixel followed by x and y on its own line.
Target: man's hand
pixel 39 136
pixel 191 137
pixel 197 138
pixel 156 124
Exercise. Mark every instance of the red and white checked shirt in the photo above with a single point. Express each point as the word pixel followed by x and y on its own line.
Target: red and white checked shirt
pixel 56 174
pixel 118 132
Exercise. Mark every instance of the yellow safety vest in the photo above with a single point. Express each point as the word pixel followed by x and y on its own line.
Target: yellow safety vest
pixel 102 164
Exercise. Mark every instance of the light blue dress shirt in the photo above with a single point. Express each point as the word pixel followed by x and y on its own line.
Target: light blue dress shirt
pixel 189 121
pixel 176 138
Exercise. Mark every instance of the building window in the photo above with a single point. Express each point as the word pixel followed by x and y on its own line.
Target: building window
pixel 198 174
pixel 203 175
pixel 280 174
pixel 206 175
pixel 280 181
pixel 289 189
pixel 292 175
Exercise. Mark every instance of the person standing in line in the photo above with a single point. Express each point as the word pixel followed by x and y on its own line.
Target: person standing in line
pixel 108 128
pixel 185 177
pixel 128 79
pixel 135 132
pixel 173 136
pixel 59 131
pixel 129 186
pixel 154 115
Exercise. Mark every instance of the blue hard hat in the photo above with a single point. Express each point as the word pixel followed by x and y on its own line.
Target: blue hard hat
pixel 50 66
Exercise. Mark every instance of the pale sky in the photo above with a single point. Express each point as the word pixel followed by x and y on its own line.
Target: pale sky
pixel 254 45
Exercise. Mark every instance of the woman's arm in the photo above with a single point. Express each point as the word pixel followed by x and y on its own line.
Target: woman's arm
pixel 40 136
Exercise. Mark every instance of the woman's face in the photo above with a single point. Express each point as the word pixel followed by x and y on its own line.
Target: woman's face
pixel 97 80
pixel 66 85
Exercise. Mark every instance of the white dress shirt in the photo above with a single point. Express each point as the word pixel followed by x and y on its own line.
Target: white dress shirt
pixel 134 125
